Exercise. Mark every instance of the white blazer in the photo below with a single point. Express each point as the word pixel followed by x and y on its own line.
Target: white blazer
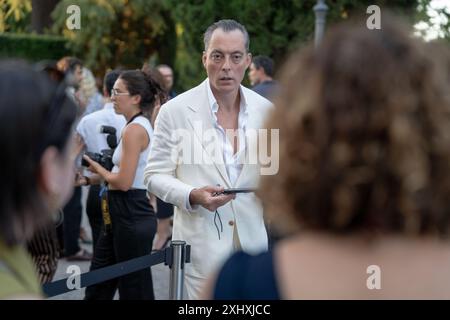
pixel 188 115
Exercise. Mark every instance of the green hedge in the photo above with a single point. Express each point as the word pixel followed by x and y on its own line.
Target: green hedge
pixel 32 47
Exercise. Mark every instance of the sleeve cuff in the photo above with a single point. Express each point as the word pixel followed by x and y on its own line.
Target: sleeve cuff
pixel 187 204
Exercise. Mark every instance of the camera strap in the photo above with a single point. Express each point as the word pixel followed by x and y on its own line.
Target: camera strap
pixel 130 121
pixel 105 208
pixel 104 195
pixel 134 117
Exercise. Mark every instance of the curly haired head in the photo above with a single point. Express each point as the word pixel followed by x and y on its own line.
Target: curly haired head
pixel 364 136
pixel 88 85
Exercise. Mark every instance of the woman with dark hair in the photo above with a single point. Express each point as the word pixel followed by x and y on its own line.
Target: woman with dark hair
pixel 363 188
pixel 36 119
pixel 133 221
pixel 164 210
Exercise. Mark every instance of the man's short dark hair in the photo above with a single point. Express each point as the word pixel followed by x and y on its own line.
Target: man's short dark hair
pixel 68 64
pixel 50 68
pixel 264 62
pixel 226 25
pixel 110 79
pixel 73 63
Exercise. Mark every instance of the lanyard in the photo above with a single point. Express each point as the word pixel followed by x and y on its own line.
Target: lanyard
pixel 131 120
pixel 134 117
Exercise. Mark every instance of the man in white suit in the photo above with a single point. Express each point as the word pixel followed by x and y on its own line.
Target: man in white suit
pixel 203 143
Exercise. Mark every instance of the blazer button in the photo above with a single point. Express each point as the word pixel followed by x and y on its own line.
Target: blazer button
pixel 231 222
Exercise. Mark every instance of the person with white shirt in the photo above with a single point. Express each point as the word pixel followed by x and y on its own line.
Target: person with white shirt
pixel 88 93
pixel 133 219
pixel 91 140
pixel 211 122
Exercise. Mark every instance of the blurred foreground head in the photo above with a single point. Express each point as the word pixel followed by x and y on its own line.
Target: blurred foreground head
pixel 36 118
pixel 72 67
pixel 364 135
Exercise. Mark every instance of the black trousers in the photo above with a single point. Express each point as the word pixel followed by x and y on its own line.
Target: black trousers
pixel 94 212
pixel 133 229
pixel 72 223
pixel 165 210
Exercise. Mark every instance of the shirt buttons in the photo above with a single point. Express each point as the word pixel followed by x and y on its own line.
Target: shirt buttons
pixel 231 223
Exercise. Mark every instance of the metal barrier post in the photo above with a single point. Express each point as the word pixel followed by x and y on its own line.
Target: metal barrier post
pixel 179 256
pixel 320 10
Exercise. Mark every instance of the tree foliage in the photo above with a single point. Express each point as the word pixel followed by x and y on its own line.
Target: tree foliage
pixel 436 19
pixel 116 32
pixel 275 26
pixel 15 15
pixel 128 32
pixel 32 47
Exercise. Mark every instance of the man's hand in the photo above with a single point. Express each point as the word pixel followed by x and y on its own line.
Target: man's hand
pixel 80 180
pixel 207 198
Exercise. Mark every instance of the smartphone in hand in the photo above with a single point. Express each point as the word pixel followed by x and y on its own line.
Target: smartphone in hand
pixel 237 190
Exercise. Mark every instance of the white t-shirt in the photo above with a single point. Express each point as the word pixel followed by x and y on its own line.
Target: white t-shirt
pixel 88 128
pixel 138 182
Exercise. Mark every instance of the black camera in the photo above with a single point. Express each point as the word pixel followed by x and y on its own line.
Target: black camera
pixel 104 158
pixel 111 138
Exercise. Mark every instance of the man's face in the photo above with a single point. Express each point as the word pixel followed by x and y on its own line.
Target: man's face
pixel 167 74
pixel 78 74
pixel 254 75
pixel 226 60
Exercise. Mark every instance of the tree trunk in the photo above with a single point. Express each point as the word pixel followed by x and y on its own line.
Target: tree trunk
pixel 40 14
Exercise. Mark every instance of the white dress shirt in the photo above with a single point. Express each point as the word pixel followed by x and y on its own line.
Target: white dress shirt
pixel 88 128
pixel 231 159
